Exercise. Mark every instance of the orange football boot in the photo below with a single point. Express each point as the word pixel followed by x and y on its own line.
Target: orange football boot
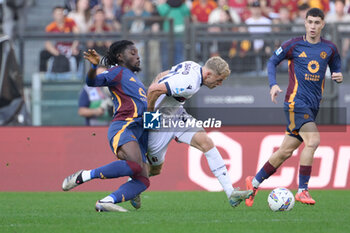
pixel 248 181
pixel 305 198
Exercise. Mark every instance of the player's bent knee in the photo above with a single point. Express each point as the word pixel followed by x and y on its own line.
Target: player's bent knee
pixel 313 143
pixel 135 167
pixel 203 142
pixel 144 180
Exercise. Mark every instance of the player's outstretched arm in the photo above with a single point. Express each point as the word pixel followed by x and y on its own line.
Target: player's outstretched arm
pixel 275 90
pixel 337 76
pixel 154 91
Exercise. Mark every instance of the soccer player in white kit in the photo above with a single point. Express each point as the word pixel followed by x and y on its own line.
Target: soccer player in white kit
pixel 167 94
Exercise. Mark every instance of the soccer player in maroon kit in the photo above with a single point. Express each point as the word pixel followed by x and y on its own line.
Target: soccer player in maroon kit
pixel 308 57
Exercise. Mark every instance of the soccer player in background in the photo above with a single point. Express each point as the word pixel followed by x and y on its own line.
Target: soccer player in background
pixel 167 94
pixel 126 135
pixel 308 57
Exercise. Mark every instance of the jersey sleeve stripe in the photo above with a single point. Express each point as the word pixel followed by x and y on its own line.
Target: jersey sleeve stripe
pixel 168 88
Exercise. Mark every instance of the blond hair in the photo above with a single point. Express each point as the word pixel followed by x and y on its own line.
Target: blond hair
pixel 218 65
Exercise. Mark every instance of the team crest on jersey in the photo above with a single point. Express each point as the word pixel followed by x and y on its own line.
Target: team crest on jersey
pixel 279 51
pixel 323 55
pixel 306 116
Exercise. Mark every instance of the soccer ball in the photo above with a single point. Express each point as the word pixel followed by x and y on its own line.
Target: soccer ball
pixel 281 199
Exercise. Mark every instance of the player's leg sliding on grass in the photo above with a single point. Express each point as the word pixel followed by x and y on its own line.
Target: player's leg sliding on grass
pixel 309 134
pixel 127 138
pixel 120 168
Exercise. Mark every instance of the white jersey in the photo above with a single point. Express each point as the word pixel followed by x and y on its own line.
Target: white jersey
pixel 182 82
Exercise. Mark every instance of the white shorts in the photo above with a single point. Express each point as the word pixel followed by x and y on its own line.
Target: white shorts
pixel 158 141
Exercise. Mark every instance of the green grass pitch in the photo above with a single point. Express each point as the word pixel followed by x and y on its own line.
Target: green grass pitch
pixel 172 212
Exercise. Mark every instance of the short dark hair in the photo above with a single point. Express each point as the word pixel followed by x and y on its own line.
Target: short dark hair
pixel 110 59
pixel 303 7
pixel 57 8
pixel 315 12
pixel 343 1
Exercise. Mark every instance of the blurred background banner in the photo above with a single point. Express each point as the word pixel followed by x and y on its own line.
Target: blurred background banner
pixel 38 159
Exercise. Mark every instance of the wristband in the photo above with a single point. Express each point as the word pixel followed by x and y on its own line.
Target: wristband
pixel 93 66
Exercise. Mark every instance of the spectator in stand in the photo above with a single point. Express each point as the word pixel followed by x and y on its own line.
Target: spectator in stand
pixel 258 18
pixel 260 50
pixel 14 15
pixel 125 5
pixel 179 12
pixel 291 5
pixel 95 103
pixel 137 10
pixel 81 16
pixel 201 9
pixel 240 6
pixel 340 16
pixel 138 25
pixel 300 18
pixel 153 44
pixel 223 14
pixel 216 15
pixel 71 5
pixel 61 51
pixel 283 24
pixel 99 26
pixel 112 13
pixel 283 19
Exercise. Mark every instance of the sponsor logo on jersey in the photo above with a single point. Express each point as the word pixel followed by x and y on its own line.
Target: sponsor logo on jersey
pixel 179 90
pixel 313 66
pixel 279 51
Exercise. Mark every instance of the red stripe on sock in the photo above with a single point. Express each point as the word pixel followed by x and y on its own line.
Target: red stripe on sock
pixel 143 179
pixel 269 169
pixel 305 170
pixel 135 167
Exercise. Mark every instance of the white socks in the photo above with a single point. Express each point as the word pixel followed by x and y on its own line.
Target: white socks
pixel 218 168
pixel 86 175
pixel 300 190
pixel 107 199
pixel 255 183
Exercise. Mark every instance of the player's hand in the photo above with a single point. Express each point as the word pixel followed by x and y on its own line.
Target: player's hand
pixel 99 112
pixel 275 90
pixel 337 76
pixel 92 56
